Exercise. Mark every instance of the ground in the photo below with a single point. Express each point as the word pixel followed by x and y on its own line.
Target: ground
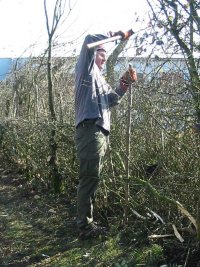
pixel 38 229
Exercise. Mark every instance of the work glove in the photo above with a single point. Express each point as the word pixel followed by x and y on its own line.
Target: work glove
pixel 128 77
pixel 124 35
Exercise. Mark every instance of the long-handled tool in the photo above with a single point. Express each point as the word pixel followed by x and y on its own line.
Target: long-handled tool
pixel 111 39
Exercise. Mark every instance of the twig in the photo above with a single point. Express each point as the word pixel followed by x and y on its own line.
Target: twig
pixel 187 258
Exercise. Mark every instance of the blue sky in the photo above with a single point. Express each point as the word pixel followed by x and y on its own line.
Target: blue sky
pixel 23 28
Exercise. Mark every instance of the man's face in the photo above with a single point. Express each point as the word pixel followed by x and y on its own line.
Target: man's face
pixel 100 59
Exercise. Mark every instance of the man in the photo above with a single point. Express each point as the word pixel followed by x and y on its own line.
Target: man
pixel 93 100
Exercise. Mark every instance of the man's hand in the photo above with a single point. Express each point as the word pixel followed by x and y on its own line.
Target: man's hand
pixel 125 35
pixel 129 76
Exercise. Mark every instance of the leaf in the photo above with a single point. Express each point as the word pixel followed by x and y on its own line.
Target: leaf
pixel 159 42
pixel 158 218
pixel 120 161
pixel 186 6
pixel 177 234
pixel 142 39
pixel 48 158
pixel 160 236
pixel 186 213
pixel 52 211
pixel 44 255
pixel 87 254
pixel 123 263
pixel 138 215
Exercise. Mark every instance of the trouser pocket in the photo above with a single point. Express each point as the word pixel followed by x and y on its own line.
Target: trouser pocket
pixel 91 142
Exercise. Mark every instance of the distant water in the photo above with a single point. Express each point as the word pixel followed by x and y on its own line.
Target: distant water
pixel 175 64
pixel 5 67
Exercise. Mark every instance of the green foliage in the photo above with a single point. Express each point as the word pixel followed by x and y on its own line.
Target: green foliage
pixel 149 257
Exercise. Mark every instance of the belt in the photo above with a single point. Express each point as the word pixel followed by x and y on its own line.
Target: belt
pixel 86 122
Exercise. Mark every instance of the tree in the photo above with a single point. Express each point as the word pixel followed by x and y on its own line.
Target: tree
pixel 180 20
pixel 58 13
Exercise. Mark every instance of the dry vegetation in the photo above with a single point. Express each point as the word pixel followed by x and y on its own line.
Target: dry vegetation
pixel 163 168
pixel 149 194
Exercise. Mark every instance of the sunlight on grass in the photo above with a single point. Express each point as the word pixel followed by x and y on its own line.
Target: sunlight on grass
pixel 87 253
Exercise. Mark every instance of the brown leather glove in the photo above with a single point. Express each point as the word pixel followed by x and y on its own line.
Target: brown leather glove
pixel 129 76
pixel 124 35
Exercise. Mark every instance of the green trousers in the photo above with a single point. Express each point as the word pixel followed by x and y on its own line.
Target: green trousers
pixel 91 144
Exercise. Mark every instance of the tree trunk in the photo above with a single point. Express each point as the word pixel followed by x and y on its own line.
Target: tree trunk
pixel 54 172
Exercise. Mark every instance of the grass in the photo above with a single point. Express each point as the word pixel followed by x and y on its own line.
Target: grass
pixel 38 229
